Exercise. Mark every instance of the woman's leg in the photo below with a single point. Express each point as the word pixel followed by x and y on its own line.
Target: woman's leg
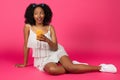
pixel 77 68
pixel 54 69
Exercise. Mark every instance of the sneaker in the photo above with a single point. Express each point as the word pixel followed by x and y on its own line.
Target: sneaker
pixel 108 68
pixel 76 62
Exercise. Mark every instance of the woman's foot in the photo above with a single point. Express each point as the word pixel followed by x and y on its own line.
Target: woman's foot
pixel 108 68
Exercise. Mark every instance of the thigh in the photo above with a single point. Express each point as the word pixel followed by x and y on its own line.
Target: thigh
pixel 66 61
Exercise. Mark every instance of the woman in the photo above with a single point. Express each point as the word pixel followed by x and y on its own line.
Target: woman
pixel 46 50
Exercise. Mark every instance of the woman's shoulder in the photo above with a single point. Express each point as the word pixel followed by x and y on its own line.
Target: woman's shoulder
pixel 27 27
pixel 50 26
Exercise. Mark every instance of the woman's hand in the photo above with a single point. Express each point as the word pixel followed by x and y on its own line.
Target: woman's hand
pixel 20 65
pixel 42 38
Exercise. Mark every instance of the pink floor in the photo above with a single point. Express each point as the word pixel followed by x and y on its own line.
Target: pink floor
pixel 9 72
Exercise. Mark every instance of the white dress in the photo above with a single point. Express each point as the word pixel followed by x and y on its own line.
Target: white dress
pixel 41 51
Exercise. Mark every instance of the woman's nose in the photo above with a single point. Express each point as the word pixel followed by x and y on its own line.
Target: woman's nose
pixel 39 15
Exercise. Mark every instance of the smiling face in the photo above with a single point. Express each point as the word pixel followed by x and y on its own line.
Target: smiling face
pixel 39 15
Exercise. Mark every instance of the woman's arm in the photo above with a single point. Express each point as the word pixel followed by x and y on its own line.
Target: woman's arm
pixel 53 42
pixel 26 50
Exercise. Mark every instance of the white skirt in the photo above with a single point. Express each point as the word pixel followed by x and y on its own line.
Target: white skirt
pixel 51 56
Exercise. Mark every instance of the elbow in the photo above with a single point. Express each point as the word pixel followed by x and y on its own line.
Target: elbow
pixel 25 46
pixel 54 48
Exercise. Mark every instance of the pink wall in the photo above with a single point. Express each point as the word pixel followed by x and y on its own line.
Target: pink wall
pixel 91 25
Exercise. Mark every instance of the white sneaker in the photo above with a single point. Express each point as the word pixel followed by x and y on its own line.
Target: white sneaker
pixel 108 68
pixel 76 62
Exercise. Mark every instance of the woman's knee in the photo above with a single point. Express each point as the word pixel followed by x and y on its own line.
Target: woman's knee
pixel 51 70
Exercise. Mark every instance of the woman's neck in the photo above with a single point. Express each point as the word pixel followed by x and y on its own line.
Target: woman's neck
pixel 39 25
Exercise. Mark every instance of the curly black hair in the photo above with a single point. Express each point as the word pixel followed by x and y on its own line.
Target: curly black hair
pixel 29 19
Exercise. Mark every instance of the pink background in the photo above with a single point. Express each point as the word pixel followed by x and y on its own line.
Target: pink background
pixel 81 26
pixel 90 25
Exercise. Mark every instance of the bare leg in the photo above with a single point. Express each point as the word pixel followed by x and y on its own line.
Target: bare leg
pixel 77 68
pixel 54 69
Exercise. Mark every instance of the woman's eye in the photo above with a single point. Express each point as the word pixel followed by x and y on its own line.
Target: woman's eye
pixel 41 12
pixel 35 13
